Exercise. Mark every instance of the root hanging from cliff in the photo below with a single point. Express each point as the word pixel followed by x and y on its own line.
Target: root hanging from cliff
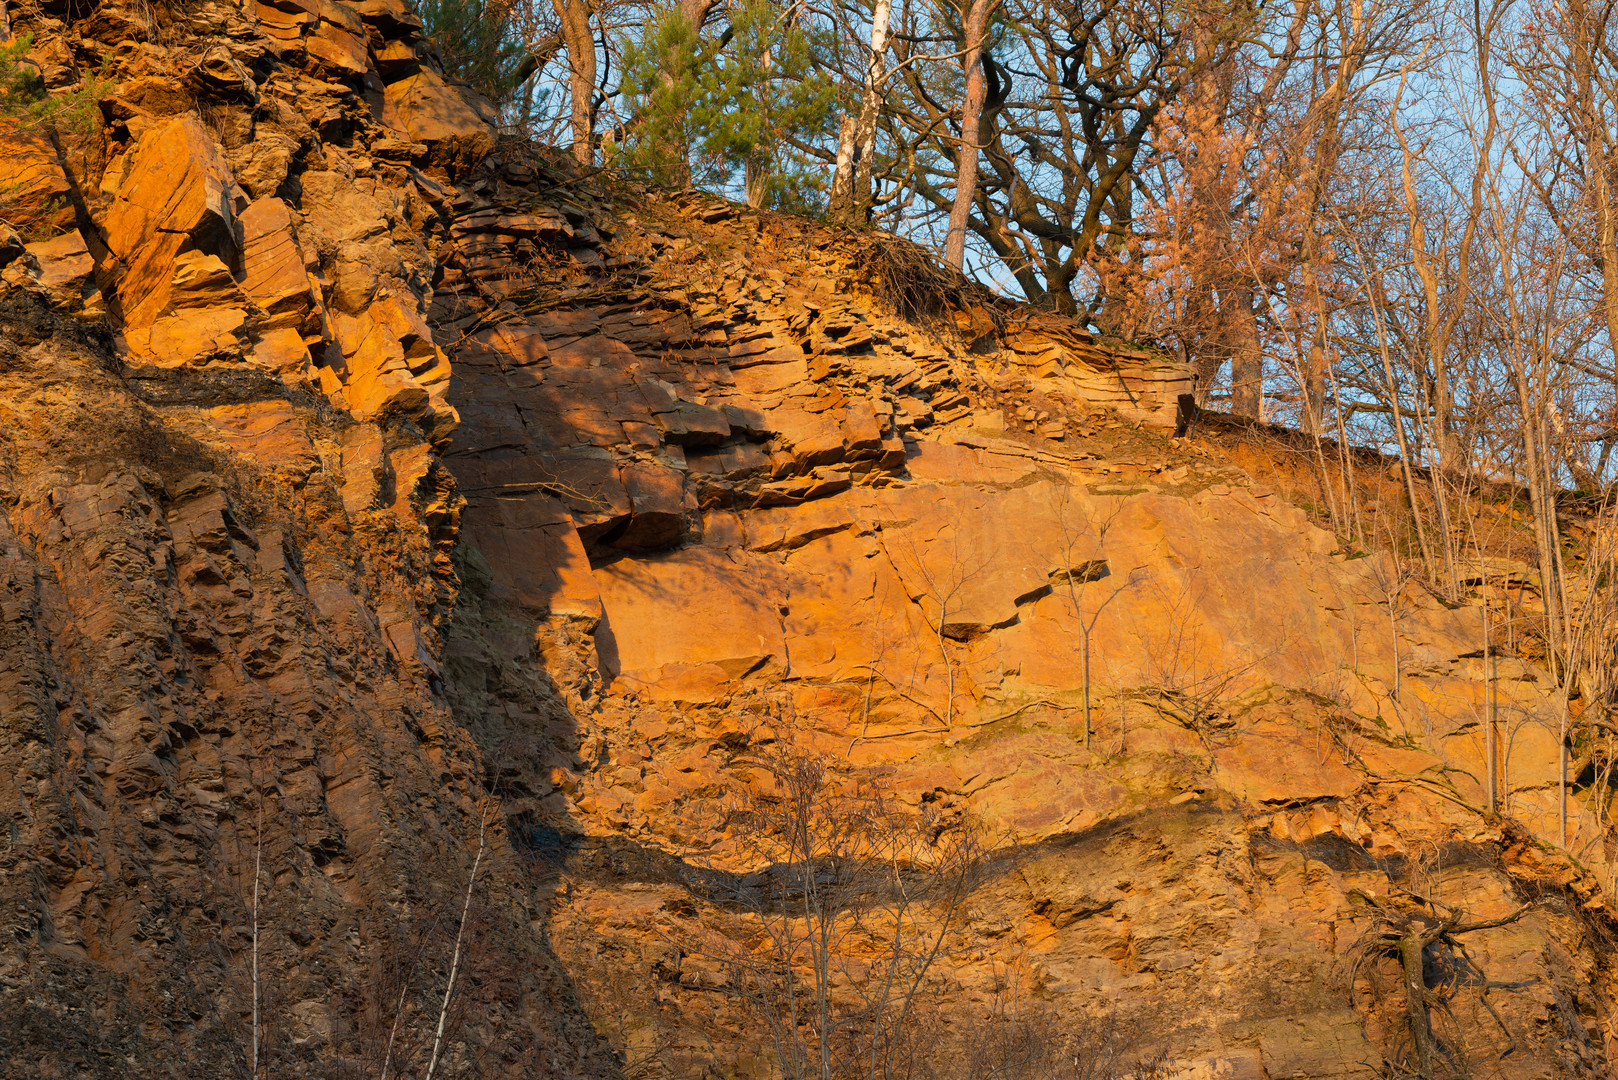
pixel 1411 934
pixel 904 276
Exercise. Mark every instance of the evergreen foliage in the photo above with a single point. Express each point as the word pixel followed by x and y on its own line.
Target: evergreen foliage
pixel 660 88
pixel 24 100
pixel 52 121
pixel 477 44
pixel 22 91
pixel 726 112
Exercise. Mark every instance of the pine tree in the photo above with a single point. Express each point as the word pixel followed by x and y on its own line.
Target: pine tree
pixel 759 96
pixel 660 89
pixel 725 113
pixel 25 103
pixel 475 44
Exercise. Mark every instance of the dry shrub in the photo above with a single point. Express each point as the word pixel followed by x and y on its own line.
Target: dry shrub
pixel 904 276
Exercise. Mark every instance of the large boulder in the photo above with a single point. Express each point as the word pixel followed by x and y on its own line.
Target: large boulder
pixel 172 192
pixel 67 270
pixel 273 267
pixel 33 188
pixel 455 124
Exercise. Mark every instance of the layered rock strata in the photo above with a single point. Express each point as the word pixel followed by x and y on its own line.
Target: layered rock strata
pixel 770 550
pixel 383 503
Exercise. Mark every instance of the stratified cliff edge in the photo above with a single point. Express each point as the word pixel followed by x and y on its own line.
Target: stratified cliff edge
pixel 380 498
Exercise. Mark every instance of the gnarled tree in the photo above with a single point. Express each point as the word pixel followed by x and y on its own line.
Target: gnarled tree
pixel 1070 97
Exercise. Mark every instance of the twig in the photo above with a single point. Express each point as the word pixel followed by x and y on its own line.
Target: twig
pixel 387 1058
pixel 258 862
pixel 455 960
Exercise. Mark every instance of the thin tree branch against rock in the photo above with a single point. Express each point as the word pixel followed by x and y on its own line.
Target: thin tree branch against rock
pixel 854 902
pixel 1083 538
pixel 460 943
pixel 258 867
pixel 946 568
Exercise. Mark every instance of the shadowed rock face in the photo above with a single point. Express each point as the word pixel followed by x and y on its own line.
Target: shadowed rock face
pixel 921 613
pixel 373 497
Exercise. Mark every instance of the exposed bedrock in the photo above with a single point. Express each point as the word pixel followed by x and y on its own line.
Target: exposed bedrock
pixel 381 498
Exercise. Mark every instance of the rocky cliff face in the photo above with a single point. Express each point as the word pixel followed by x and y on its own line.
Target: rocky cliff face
pixel 382 499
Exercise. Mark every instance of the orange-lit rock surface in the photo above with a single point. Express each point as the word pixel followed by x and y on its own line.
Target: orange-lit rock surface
pixel 372 496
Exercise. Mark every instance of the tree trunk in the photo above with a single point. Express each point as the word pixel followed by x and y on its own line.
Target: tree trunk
pixel 696 12
pixel 1201 330
pixel 756 178
pixel 1411 948
pixel 1246 357
pixel 842 175
pixel 966 162
pixel 1607 241
pixel 1314 365
pixel 574 16
pixel 851 184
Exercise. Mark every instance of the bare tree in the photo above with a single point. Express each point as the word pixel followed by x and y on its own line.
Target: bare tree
pixel 943 597
pixel 258 864
pixel 1070 97
pixel 1391 576
pixel 855 902
pixel 1187 681
pixel 1020 1040
pixel 1568 60
pixel 1076 573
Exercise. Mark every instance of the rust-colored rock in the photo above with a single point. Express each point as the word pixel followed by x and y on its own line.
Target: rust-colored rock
pixel 442 117
pixel 67 270
pixel 171 193
pixel 36 189
pixel 358 545
pixel 274 270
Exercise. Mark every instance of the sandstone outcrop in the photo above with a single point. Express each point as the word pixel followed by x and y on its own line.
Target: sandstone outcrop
pixel 881 567
pixel 377 493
